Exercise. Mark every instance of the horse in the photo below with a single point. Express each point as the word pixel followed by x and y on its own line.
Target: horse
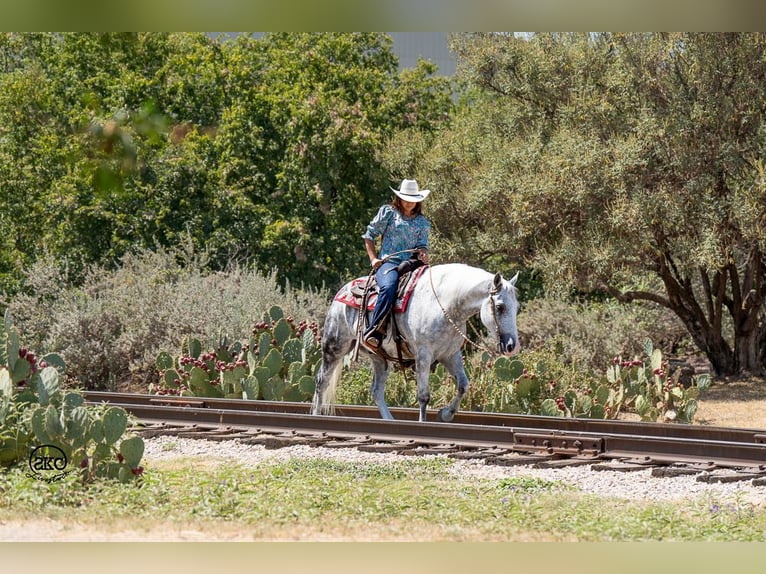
pixel 433 324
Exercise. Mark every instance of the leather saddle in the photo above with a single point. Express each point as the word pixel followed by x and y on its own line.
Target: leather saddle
pixel 363 292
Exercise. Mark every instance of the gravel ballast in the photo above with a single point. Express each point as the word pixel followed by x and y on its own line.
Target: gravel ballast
pixel 634 485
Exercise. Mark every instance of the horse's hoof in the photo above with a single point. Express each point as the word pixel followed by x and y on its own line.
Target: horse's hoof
pixel 445 415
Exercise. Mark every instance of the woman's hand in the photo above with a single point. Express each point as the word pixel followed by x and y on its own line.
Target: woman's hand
pixel 376 263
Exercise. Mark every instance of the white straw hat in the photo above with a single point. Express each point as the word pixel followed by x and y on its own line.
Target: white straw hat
pixel 408 191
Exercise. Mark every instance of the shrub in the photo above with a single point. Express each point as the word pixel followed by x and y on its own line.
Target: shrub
pixel 111 328
pixel 538 383
pixel 588 334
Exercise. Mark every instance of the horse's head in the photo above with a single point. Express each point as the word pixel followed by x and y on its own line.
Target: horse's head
pixel 498 313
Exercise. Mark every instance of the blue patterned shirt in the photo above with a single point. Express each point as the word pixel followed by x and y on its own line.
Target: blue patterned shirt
pixel 398 232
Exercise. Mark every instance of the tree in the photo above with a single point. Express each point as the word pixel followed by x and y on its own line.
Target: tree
pixel 258 149
pixel 333 102
pixel 631 164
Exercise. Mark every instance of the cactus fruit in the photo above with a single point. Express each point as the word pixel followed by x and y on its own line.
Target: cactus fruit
pixel 644 386
pixel 277 362
pixel 36 411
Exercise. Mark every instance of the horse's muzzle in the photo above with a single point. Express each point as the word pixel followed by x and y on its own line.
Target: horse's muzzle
pixel 509 346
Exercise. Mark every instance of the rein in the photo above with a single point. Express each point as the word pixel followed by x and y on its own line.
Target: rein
pixel 492 292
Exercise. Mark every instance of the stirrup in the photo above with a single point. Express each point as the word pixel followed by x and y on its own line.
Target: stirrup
pixel 373 340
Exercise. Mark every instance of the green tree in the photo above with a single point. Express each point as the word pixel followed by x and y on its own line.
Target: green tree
pixel 624 163
pixel 260 149
pixel 334 101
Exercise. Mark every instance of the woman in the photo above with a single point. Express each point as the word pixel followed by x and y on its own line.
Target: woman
pixel 402 228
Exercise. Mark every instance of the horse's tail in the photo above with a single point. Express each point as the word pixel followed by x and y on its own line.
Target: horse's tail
pixel 335 344
pixel 327 378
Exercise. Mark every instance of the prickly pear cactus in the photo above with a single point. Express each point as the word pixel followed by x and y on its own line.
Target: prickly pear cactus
pixel 651 390
pixel 277 362
pixel 36 410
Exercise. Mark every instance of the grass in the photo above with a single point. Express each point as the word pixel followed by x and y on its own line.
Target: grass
pixel 415 499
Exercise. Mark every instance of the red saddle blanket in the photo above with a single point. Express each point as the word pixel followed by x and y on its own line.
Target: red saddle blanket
pixel 350 293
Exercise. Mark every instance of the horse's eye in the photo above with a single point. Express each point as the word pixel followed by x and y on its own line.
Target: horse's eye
pixel 501 307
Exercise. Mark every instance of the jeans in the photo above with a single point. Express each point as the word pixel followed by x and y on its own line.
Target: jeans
pixel 387 277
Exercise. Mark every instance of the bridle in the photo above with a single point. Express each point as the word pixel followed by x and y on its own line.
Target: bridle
pixel 493 290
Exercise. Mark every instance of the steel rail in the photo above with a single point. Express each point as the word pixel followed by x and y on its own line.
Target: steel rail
pixel 642 443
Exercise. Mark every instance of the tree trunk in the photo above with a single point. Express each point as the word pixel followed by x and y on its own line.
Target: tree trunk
pixel 748 354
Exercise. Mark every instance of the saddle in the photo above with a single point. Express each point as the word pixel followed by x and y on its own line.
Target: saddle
pixel 353 293
pixel 363 292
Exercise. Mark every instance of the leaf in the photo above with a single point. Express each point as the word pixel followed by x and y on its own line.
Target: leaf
pixel 53 426
pixel 13 348
pixel 6 391
pixel 307 385
pixel 549 408
pixel 282 331
pixel 115 423
pixel 602 394
pixel 77 425
pixel 261 374
pixel 703 382
pixel 690 409
pixel 293 350
pixel 171 378
pixel 72 400
pixel 96 431
pixel 276 313
pixel 48 385
pixel 648 347
pixel 192 347
pixel 55 360
pixel 197 376
pixel 273 362
pixel 264 344
pixel 642 405
pixel 38 426
pixel 164 361
pixel 250 388
pixel 132 450
pixel 656 359
pixel 584 405
pixel 21 370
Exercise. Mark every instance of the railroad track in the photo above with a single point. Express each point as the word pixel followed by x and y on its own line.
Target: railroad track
pixel 502 439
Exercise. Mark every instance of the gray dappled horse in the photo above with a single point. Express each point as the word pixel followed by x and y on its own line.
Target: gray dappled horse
pixel 433 324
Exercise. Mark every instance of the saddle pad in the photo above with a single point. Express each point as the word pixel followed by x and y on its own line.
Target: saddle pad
pixel 346 293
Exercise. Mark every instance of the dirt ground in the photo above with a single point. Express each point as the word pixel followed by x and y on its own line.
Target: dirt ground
pixel 736 402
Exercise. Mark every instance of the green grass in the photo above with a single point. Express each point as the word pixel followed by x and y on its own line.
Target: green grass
pixel 409 500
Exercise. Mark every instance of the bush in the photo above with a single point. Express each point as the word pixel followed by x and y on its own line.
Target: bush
pixel 111 328
pixel 278 362
pixel 588 335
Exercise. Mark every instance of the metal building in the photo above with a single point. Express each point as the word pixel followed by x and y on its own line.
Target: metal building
pixel 433 46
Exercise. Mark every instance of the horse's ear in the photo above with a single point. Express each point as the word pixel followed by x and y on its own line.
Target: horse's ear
pixel 514 279
pixel 498 281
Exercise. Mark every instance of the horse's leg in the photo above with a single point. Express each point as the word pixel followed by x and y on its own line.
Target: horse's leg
pixel 423 373
pixel 380 371
pixel 455 367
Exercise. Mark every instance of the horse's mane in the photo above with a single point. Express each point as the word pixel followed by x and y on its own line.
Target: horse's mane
pixel 470 277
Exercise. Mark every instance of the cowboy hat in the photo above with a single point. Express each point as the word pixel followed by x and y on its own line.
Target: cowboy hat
pixel 408 191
